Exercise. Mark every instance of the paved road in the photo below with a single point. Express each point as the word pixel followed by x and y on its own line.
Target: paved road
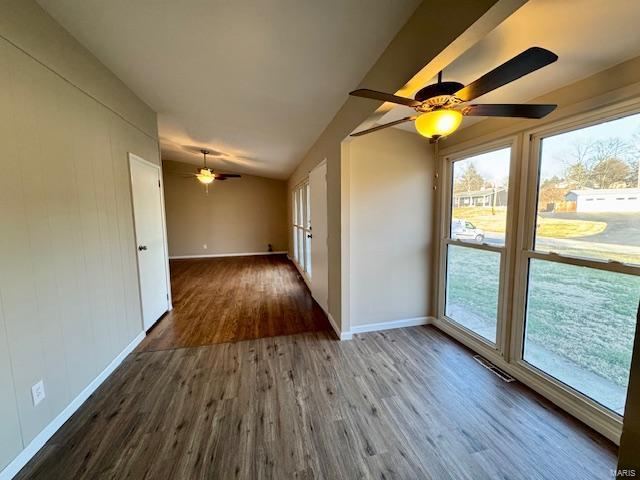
pixel 622 228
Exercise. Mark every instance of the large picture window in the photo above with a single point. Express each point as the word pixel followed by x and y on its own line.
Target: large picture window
pixel 553 292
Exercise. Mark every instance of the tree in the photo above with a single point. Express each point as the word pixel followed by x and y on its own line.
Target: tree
pixel 606 163
pixel 469 181
pixel 610 173
pixel 578 176
pixel 552 190
pixel 633 179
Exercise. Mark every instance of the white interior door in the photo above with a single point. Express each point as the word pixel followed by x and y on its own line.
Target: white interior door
pixel 319 255
pixel 150 238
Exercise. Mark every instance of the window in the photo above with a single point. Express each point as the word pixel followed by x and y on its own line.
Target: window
pixel 567 267
pixel 583 260
pixel 599 161
pixel 583 337
pixel 472 289
pixel 475 246
pixel 302 228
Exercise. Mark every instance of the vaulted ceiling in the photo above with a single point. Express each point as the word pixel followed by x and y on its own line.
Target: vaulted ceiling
pixel 257 81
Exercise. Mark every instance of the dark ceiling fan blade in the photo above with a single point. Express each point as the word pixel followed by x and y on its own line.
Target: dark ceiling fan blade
pixel 385 97
pixel 386 125
pixel 528 61
pixel 522 110
pixel 228 175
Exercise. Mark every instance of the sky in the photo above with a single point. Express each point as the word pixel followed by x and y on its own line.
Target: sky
pixel 494 166
pixel 554 148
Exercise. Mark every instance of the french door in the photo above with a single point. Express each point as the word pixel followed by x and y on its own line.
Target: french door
pixel 301 203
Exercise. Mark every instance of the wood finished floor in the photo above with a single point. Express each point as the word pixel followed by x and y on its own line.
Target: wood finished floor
pixel 229 299
pixel 407 404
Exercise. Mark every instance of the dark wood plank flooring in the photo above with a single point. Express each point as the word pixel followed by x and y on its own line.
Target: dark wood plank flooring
pixel 406 404
pixel 228 299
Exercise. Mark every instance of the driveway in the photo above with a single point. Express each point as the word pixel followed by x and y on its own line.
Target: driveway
pixel 622 228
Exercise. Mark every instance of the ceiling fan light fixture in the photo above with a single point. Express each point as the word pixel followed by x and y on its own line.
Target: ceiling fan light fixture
pixel 438 123
pixel 205 176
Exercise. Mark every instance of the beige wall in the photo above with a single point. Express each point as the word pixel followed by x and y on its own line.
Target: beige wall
pixel 452 28
pixel 69 301
pixel 240 215
pixel 390 210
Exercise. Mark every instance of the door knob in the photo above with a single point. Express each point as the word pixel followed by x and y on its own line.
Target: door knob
pixel 142 247
pixel 309 235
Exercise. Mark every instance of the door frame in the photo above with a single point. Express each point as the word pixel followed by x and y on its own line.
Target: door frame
pixel 136 158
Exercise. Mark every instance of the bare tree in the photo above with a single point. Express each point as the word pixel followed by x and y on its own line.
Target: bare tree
pixel 470 180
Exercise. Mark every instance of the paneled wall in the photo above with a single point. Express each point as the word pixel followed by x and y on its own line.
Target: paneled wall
pixel 69 300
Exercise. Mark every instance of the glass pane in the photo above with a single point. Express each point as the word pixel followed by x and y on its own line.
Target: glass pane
pixel 479 200
pixel 308 251
pixel 589 195
pixel 300 218
pixel 580 326
pixel 472 289
pixel 295 243
pixel 300 257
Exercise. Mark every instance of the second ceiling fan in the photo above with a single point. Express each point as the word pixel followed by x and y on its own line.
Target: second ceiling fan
pixel 206 176
pixel 441 106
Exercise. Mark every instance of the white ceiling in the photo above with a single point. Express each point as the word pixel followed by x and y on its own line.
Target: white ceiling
pixel 587 35
pixel 255 80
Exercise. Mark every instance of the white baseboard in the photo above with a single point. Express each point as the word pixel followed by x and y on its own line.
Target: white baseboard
pixel 334 325
pixel 302 274
pixel 214 255
pixel 405 322
pixel 38 442
pixel 341 335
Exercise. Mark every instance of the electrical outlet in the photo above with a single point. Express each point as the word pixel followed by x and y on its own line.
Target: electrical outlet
pixel 204 247
pixel 37 393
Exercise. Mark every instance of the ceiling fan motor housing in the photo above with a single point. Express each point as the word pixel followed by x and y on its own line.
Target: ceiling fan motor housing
pixel 438 90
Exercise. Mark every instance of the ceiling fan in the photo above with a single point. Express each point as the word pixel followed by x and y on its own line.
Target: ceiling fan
pixel 441 106
pixel 206 176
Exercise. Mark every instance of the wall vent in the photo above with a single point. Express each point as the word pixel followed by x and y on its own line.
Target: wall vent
pixel 504 376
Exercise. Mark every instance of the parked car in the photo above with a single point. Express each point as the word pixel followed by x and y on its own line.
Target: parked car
pixel 465 230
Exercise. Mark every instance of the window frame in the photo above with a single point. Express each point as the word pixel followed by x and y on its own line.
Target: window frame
pixel 500 348
pixel 598 413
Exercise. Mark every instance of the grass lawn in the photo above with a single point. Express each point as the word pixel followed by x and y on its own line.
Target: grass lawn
pixel 587 316
pixel 483 218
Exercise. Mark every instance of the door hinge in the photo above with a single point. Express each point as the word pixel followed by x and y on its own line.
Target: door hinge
pixel 158 183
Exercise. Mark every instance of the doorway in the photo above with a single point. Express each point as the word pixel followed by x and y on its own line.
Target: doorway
pixel 150 233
